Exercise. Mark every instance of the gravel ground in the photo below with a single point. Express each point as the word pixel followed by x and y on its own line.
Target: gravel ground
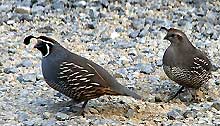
pixel 124 37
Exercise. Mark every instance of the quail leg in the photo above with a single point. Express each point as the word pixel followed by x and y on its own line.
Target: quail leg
pixel 178 92
pixel 81 111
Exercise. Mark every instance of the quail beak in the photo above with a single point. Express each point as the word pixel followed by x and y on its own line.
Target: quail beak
pixel 164 28
pixel 38 45
pixel 166 37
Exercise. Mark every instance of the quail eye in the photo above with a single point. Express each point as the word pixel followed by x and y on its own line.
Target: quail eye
pixel 172 35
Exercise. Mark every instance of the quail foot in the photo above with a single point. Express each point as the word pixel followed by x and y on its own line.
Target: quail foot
pixel 183 63
pixel 75 76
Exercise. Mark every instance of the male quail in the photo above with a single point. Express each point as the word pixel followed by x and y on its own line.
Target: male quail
pixel 75 76
pixel 184 63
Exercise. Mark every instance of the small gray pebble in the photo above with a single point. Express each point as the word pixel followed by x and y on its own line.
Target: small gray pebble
pixel 37 9
pixel 49 123
pixel 186 96
pixel 26 63
pixel 80 4
pixel 143 32
pixel 130 113
pixel 25 17
pixel 5 7
pixel 10 70
pixel 119 29
pixel 11 22
pixel 22 116
pixel 93 48
pixel 215 36
pixel 46 29
pixel 134 34
pixel 28 123
pixel 93 14
pixel 145 68
pixel 132 52
pixel 105 3
pixel 40 101
pixel 61 116
pixel 24 93
pixel 216 122
pixel 189 113
pixel 149 21
pixel 29 77
pixel 216 105
pixel 92 25
pixel 138 23
pixel 158 99
pixel 201 13
pixel 120 73
pixel 46 115
pixel 174 114
pixel 12 50
pixel 124 44
pixel 58 4
pixel 159 63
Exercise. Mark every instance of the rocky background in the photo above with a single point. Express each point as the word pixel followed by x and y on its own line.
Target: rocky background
pixel 124 37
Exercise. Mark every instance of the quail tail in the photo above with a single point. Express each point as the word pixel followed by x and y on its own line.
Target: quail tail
pixel 133 94
pixel 125 91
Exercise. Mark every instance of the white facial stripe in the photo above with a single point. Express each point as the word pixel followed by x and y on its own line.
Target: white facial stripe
pixel 48 50
pixel 46 41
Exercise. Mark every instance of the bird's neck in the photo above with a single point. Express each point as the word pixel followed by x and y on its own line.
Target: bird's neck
pixel 183 47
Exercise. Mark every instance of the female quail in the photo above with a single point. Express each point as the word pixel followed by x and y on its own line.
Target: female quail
pixel 75 76
pixel 183 63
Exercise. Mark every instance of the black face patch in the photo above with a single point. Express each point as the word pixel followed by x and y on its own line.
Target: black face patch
pixel 44 48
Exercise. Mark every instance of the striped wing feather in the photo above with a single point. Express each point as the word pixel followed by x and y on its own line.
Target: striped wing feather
pixel 81 83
